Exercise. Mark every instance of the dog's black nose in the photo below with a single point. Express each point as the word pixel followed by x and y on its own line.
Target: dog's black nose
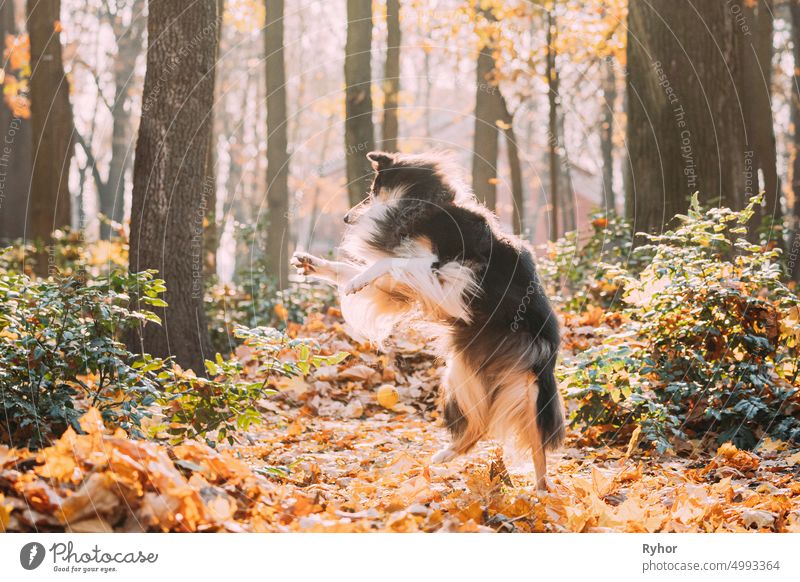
pixel 347 218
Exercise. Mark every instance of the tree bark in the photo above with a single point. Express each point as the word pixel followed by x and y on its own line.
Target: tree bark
pixel 794 247
pixel 607 135
pixel 359 132
pixel 129 38
pixel 488 109
pixel 515 169
pixel 170 190
pixel 277 148
pixel 756 91
pixel 552 133
pixel 685 126
pixel 391 81
pixel 16 163
pixel 51 120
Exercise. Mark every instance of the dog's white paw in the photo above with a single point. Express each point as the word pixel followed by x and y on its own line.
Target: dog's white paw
pixel 356 284
pixel 305 263
pixel 443 456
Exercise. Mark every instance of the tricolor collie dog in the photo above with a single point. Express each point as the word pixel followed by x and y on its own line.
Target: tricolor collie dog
pixel 421 246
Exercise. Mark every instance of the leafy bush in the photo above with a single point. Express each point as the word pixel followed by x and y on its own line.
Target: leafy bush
pixel 255 301
pixel 710 343
pixel 577 266
pixel 60 351
pixel 69 254
pixel 228 401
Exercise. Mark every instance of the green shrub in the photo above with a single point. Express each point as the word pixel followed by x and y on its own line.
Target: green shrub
pixel 60 352
pixel 228 400
pixel 710 343
pixel 255 301
pixel 577 265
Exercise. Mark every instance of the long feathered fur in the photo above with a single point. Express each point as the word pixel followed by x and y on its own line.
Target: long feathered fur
pixel 421 244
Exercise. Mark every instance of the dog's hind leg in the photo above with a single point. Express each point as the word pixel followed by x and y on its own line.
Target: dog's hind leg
pixel 534 435
pixel 466 409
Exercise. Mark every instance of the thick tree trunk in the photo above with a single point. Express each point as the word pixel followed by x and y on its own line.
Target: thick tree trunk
pixel 552 132
pixel 359 132
pixel 277 154
pixel 607 135
pixel 16 163
pixel 391 81
pixel 170 195
pixel 488 109
pixel 51 119
pixel 794 248
pixel 685 130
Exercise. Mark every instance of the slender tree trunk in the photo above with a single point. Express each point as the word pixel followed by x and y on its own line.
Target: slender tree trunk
pixel 552 133
pixel 129 46
pixel 488 109
pixel 359 133
pixel 756 91
pixel 51 119
pixel 685 130
pixel 391 82
pixel 794 248
pixel 170 193
pixel 569 220
pixel 277 148
pixel 16 163
pixel 211 233
pixel 515 168
pixel 607 135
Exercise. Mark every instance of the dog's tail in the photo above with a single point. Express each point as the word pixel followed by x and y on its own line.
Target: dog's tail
pixel 549 406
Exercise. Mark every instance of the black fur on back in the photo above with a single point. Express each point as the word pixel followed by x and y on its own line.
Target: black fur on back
pixel 513 323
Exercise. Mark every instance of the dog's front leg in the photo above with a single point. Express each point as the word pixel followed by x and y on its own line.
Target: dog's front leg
pixel 333 272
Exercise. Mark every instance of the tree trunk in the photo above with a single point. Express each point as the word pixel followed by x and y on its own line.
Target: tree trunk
pixel 794 248
pixel 685 130
pixel 488 110
pixel 169 193
pixel 129 46
pixel 515 169
pixel 359 133
pixel 391 81
pixel 552 132
pixel 277 154
pixel 756 91
pixel 15 158
pixel 607 135
pixel 51 119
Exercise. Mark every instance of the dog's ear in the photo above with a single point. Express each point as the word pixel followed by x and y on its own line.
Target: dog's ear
pixel 380 160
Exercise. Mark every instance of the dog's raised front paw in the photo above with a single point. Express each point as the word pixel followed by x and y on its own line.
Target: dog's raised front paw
pixel 305 263
pixel 443 456
pixel 356 284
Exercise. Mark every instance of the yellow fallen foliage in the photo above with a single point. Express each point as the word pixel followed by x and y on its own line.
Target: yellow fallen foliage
pixel 333 457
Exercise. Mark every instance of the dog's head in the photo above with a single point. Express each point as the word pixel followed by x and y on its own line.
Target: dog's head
pixel 410 179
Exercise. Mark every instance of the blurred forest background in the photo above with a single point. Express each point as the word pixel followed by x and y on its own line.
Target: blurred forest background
pixel 160 161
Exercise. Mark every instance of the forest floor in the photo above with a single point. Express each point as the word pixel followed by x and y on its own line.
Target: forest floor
pixel 336 453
